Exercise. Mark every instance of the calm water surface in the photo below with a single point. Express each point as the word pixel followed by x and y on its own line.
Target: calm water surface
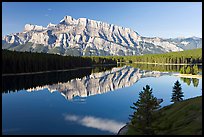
pixel 87 101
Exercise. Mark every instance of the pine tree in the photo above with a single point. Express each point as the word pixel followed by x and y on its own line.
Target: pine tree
pixel 144 108
pixel 177 94
pixel 188 70
pixel 182 70
pixel 195 70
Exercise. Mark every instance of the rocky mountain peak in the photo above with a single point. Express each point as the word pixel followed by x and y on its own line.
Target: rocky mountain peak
pixel 51 25
pixel 30 27
pixel 86 37
pixel 68 20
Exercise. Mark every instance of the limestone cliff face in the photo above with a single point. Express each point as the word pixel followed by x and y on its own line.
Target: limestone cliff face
pixel 99 83
pixel 83 37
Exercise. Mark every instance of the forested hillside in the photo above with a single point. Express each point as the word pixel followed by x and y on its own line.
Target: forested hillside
pixel 182 57
pixel 18 62
pixel 24 62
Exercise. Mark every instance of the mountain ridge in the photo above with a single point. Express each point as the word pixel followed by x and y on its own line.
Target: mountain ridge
pixel 86 37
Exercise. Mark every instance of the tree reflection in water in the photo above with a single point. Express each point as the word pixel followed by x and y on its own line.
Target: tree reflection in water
pixel 188 81
pixel 16 83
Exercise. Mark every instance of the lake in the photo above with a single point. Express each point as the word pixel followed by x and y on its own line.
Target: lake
pixel 85 101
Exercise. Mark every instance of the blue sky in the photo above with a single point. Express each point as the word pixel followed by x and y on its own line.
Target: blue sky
pixel 151 19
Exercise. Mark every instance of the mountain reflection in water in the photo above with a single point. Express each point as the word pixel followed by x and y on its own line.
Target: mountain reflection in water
pixel 16 83
pixel 98 83
pixel 35 109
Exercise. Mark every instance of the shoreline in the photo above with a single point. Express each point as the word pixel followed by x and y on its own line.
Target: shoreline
pixel 123 130
pixel 158 63
pixel 188 75
pixel 186 112
pixel 40 72
pixel 61 70
pixel 165 63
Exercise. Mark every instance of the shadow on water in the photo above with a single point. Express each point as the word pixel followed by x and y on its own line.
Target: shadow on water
pixel 16 83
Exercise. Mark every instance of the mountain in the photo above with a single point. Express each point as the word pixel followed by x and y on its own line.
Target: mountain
pixel 85 37
pixel 187 43
pixel 99 83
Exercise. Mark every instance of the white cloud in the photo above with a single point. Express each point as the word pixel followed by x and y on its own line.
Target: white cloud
pixel 102 124
pixel 98 123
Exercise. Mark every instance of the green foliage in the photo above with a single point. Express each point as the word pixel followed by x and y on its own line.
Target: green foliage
pixel 183 57
pixel 177 94
pixel 182 118
pixel 195 70
pixel 157 67
pixel 144 108
pixel 187 81
pixel 188 70
pixel 182 70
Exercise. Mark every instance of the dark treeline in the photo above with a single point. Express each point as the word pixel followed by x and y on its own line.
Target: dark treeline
pixel 24 62
pixel 183 57
pixel 15 83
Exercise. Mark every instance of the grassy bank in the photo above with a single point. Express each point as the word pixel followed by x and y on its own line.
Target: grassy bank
pixel 183 118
